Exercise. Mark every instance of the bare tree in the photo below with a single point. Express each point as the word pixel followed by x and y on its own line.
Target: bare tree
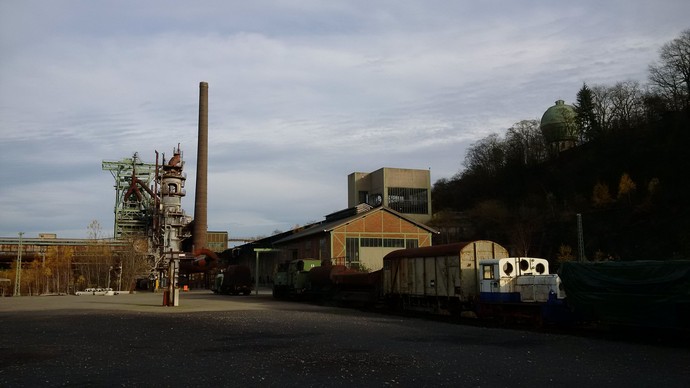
pixel 487 156
pixel 603 106
pixel 525 142
pixel 627 107
pixel 95 264
pixel 58 268
pixel 670 77
pixel 131 264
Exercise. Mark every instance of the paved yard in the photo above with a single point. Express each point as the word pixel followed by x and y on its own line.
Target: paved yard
pixel 255 341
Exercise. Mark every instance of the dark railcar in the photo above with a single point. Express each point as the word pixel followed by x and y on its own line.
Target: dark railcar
pixel 234 280
pixel 358 287
pixel 439 279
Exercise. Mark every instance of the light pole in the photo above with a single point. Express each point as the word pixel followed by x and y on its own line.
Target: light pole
pixel 43 265
pixel 119 279
pixel 18 272
pixel 107 283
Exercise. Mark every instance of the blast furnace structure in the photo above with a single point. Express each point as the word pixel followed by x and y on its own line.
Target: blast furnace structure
pixel 148 205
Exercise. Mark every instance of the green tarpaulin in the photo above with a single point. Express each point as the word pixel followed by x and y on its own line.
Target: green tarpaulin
pixel 638 293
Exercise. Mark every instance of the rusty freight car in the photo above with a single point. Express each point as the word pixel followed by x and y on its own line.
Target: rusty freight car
pixel 438 279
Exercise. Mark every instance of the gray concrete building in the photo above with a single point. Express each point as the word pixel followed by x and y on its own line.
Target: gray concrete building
pixel 407 191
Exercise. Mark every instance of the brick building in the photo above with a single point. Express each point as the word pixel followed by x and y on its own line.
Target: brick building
pixel 358 237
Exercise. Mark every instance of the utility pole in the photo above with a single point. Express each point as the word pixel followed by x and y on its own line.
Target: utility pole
pixel 18 272
pixel 107 283
pixel 580 240
pixel 119 278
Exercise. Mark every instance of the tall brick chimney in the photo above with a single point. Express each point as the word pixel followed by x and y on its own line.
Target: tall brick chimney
pixel 201 196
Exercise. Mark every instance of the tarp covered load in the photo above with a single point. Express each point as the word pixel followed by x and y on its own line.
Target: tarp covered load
pixel 638 293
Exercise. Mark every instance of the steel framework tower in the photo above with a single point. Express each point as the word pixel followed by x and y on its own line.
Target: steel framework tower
pixel 134 200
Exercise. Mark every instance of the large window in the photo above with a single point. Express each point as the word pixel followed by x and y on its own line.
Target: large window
pixel 353 245
pixel 373 242
pixel 407 200
pixel 352 250
pixel 488 272
pixel 363 197
pixel 323 251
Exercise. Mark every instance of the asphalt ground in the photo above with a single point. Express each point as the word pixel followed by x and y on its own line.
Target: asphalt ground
pixel 131 340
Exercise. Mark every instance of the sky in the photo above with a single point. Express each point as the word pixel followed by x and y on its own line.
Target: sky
pixel 301 94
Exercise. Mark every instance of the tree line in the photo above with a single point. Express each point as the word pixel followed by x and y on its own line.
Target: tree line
pixel 66 269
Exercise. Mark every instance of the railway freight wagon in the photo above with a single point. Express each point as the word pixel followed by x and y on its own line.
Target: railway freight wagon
pixel 234 279
pixel 291 278
pixel 440 279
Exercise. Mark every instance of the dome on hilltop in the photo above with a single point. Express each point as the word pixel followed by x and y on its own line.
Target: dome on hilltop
pixel 558 126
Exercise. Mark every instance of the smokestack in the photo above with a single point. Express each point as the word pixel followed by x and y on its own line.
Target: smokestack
pixel 201 197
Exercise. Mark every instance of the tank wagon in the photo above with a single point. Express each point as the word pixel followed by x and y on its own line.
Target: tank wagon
pixel 234 280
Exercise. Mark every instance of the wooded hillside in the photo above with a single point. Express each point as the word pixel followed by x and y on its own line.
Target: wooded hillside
pixel 628 176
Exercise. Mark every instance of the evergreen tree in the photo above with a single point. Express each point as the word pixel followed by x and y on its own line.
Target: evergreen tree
pixel 586 118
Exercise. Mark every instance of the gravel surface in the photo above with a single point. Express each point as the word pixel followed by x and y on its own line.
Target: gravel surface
pixel 255 341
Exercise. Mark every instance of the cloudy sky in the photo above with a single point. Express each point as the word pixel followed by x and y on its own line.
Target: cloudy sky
pixel 301 93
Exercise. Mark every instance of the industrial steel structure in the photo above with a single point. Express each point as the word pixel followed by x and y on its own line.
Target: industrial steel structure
pixel 168 228
pixel 133 197
pixel 148 202
pixel 148 215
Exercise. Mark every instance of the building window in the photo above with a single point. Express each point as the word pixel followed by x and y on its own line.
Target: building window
pixel 323 252
pixel 394 243
pixel 411 243
pixel 373 242
pixel 370 242
pixel 488 271
pixel 363 197
pixel 352 250
pixel 408 200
